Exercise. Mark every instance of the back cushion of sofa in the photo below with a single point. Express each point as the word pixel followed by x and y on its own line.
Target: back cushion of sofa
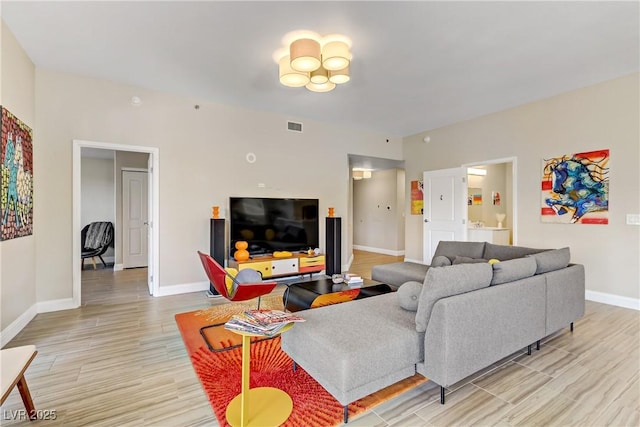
pixel 504 252
pixel 513 269
pixel 453 249
pixel 551 260
pixel 448 281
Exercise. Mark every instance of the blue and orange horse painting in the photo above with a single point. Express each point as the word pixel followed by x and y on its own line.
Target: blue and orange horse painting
pixel 577 186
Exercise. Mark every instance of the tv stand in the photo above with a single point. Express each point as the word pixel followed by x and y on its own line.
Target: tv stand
pixel 269 266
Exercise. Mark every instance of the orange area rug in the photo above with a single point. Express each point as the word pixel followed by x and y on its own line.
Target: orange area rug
pixel 220 373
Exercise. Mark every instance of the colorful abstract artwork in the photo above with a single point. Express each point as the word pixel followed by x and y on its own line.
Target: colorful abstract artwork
pixel 417 198
pixel 17 177
pixel 575 188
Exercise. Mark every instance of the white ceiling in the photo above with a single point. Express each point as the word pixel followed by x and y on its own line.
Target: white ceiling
pixel 416 65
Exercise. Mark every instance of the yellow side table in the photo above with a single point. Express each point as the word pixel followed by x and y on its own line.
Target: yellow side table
pixel 261 406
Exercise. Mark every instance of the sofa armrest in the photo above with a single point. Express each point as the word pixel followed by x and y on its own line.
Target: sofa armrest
pixel 565 296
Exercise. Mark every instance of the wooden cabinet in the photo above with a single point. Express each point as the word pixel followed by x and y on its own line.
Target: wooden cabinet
pixel 284 267
pixel 270 266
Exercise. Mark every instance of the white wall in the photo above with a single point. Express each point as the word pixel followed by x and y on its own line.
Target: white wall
pixel 202 162
pixel 605 115
pixel 377 212
pixel 98 193
pixel 17 272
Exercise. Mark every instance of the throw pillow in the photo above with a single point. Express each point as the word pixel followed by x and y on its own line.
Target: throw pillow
pixel 228 281
pixel 440 261
pixel 408 294
pixel 249 275
pixel 514 269
pixel 551 260
pixel 445 282
pixel 467 260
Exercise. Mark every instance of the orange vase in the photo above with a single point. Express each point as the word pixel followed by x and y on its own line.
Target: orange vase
pixel 241 254
pixel 331 212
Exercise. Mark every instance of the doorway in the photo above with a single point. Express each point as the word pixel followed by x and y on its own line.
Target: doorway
pixel 492 200
pixel 449 194
pixel 153 206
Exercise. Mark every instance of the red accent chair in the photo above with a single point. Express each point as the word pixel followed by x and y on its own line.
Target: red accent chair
pixel 243 291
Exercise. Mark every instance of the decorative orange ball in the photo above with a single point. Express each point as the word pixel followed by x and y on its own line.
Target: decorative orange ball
pixel 241 253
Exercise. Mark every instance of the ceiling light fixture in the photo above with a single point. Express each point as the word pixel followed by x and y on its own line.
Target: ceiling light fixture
pixel 476 171
pixel 317 63
pixel 361 173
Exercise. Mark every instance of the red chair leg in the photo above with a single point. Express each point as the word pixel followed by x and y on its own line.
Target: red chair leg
pixel 26 398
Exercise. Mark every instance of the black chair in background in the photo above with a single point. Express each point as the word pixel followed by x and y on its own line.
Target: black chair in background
pixel 96 239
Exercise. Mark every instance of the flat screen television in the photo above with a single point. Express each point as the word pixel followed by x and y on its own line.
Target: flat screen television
pixel 270 224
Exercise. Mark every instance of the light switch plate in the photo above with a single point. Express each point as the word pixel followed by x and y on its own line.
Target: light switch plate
pixel 633 219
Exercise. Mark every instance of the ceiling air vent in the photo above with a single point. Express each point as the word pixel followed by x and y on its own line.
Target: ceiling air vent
pixel 294 127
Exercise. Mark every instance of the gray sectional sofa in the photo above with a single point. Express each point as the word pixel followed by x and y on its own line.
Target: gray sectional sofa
pixel 455 321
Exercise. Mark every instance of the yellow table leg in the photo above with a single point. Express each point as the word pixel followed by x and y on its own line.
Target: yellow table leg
pixel 262 406
pixel 246 367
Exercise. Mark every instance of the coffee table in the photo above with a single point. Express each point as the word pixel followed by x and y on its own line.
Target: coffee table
pixel 319 292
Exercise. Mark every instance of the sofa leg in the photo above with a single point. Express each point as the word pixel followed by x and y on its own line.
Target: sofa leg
pixel 346 413
pixel 295 366
pixel 529 350
pixel 538 345
pixel 571 326
pixel 441 395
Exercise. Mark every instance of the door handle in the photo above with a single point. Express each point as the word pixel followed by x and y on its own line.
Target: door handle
pixel 426 220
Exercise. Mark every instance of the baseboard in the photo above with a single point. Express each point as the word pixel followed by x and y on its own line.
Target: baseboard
pixel 378 250
pixel 417 261
pixel 184 288
pixel 612 299
pixel 56 305
pixel 118 267
pixel 17 325
pixel 349 263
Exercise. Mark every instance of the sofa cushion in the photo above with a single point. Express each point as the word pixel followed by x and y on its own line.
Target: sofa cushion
pixel 514 269
pixel 408 295
pixel 396 273
pixel 467 260
pixel 551 260
pixel 454 249
pixel 506 252
pixel 440 261
pixel 447 281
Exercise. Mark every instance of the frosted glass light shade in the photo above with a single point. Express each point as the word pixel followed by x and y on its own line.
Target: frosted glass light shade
pixel 339 76
pixel 335 56
pixel 320 76
pixel 305 55
pixel 358 175
pixel 289 76
pixel 324 87
pixel 366 174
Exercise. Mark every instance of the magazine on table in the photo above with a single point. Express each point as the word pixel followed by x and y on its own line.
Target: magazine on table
pixel 268 317
pixel 248 322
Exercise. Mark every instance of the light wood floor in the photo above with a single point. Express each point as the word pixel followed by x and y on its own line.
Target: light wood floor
pixel 119 361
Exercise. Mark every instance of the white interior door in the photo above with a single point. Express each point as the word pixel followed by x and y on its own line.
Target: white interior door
pixel 135 217
pixel 445 208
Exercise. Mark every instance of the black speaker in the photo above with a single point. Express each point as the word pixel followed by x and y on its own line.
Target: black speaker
pixel 333 246
pixel 217 244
